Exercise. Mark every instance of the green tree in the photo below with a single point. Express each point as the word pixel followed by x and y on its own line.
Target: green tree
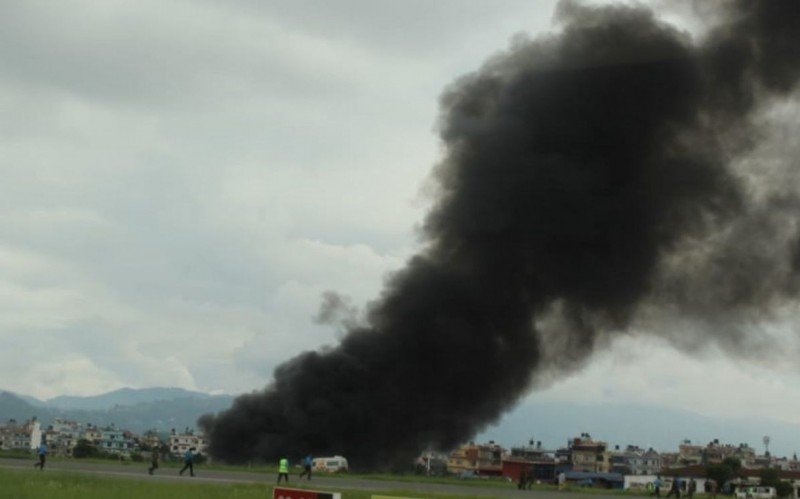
pixel 734 464
pixel 771 478
pixel 720 473
pixel 725 471
pixel 84 448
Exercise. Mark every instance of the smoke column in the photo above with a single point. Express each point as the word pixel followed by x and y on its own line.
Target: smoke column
pixel 588 184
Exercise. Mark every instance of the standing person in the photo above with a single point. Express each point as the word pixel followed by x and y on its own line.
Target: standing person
pixel 713 489
pixel 42 452
pixel 691 488
pixel 523 478
pixel 308 462
pixel 153 461
pixel 657 486
pixel 188 462
pixel 283 470
pixel 674 490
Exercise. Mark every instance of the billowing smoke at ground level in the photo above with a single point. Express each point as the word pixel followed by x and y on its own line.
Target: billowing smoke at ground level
pixel 584 174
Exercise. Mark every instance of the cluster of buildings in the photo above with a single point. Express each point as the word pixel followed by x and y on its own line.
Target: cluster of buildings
pixel 590 462
pixel 584 460
pixel 64 437
pixel 16 436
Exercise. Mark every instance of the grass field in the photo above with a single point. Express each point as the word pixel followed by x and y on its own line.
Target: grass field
pixel 60 485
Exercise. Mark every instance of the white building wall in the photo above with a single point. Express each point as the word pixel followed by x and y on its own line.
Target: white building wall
pixel 36 435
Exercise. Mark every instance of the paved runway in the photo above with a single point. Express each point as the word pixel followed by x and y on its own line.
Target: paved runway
pixel 139 472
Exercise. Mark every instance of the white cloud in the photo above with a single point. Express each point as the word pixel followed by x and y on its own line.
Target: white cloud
pixel 648 371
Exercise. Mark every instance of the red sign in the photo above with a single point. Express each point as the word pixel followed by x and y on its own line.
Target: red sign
pixel 284 493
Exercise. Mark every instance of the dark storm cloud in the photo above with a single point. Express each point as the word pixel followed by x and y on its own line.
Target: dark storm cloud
pixel 577 169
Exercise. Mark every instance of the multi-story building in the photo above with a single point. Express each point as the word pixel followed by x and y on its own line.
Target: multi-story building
pixel 151 440
pixel 531 452
pixel 689 454
pixel 589 455
pixel 179 443
pixel 15 436
pixel 715 453
pixel 92 434
pixel 485 459
pixel 115 441
pixel 62 436
pixel 745 453
pixel 635 461
pixel 669 460
pixel 537 463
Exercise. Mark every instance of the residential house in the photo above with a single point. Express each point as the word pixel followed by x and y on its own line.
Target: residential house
pixel 62 436
pixel 179 443
pixel 715 453
pixel 669 460
pixel 589 455
pixel 151 440
pixel 15 436
pixel 689 454
pixel 116 441
pixel 537 463
pixel 635 461
pixel 485 459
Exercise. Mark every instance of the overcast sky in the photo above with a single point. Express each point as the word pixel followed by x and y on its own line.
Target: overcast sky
pixel 181 181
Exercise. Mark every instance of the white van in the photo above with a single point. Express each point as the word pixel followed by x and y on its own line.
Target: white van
pixel 756 492
pixel 333 464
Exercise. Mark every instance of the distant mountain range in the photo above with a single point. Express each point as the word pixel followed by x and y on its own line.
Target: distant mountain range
pixel 551 423
pixel 136 410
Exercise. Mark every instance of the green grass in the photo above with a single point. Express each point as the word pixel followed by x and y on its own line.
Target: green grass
pixel 496 483
pixel 23 484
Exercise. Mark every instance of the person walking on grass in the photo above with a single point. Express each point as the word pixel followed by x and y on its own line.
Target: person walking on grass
pixel 42 452
pixel 188 462
pixel 657 487
pixel 283 470
pixel 308 462
pixel 523 479
pixel 153 461
pixel 562 480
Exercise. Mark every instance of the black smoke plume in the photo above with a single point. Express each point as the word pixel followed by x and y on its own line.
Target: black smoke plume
pixel 589 182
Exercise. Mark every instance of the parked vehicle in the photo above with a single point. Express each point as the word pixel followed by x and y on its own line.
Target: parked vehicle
pixel 468 474
pixel 333 464
pixel 753 492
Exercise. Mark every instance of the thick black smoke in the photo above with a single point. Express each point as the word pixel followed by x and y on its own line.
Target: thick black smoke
pixel 588 181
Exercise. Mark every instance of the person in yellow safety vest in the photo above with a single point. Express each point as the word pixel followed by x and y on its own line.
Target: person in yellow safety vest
pixel 283 470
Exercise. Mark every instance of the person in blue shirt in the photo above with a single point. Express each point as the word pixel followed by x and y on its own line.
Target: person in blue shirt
pixel 42 451
pixel 188 462
pixel 657 487
pixel 308 462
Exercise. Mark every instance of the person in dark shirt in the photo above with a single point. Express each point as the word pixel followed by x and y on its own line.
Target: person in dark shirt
pixel 675 489
pixel 153 461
